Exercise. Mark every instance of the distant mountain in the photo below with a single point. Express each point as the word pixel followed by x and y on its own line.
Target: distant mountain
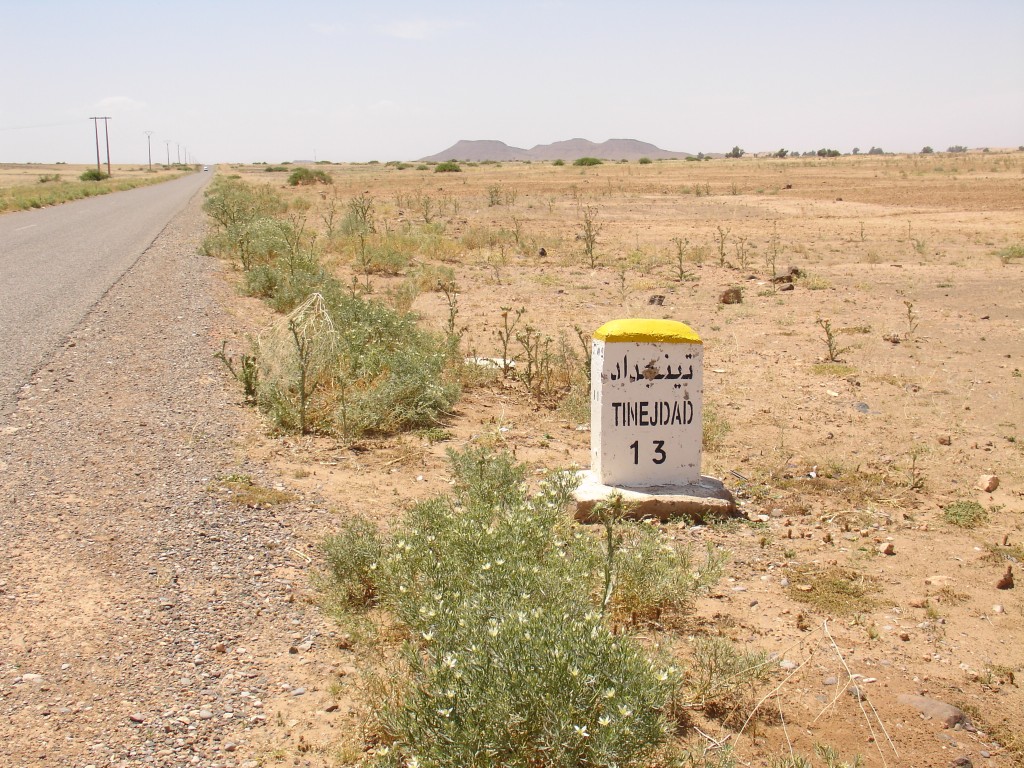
pixel 573 149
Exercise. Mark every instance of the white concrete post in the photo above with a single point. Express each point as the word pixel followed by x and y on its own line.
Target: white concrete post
pixel 646 393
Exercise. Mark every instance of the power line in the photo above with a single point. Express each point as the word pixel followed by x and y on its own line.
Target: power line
pixel 34 127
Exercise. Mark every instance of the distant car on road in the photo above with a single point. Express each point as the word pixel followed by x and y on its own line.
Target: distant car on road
pixel 206 167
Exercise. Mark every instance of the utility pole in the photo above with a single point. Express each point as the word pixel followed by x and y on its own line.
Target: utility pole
pixel 106 135
pixel 96 126
pixel 179 153
pixel 167 142
pixel 149 148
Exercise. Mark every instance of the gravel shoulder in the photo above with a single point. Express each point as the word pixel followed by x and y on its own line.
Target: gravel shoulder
pixel 145 617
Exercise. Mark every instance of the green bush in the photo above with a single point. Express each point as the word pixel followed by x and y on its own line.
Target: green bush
pixel 93 174
pixel 585 161
pixel 965 514
pixel 510 658
pixel 448 167
pixel 352 555
pixel 735 152
pixel 645 161
pixel 305 177
pixel 654 575
pixel 510 662
pixel 558 162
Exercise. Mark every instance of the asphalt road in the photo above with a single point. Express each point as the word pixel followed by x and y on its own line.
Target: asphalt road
pixel 56 263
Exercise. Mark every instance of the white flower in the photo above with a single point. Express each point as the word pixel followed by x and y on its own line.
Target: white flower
pixel 581 731
pixel 609 693
pixel 428 635
pixel 450 661
pixel 413 762
pixel 625 711
pixel 604 720
pixel 444 712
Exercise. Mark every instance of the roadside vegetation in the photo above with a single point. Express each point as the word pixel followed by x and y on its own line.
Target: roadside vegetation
pixel 336 361
pixel 56 188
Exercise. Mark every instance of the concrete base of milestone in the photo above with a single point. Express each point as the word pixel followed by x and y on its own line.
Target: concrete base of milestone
pixel 709 499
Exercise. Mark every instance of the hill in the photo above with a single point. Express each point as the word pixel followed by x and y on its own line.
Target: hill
pixel 572 149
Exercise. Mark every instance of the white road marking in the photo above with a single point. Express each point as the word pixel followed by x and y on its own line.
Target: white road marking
pixel 27 226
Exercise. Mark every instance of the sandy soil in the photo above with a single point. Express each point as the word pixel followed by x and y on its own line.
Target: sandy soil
pixel 831 462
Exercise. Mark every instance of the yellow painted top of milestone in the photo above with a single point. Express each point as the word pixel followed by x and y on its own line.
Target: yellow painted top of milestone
pixel 650 331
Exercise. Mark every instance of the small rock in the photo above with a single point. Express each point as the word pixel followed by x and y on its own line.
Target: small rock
pixel 830 680
pixel 220 648
pixel 331 708
pixel 230 746
pixel 988 483
pixel 962 762
pixel 1006 580
pixel 934 709
pixel 945 440
pixel 137 717
pixel 997 608
pixel 788 665
pixel 905 636
pixel 887 548
pixel 205 714
pixel 298 692
pixel 787 287
pixel 31 677
pixel 858 693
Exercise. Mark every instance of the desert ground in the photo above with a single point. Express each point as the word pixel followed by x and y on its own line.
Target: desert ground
pixel 850 402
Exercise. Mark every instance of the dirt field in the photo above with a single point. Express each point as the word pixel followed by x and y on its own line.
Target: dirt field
pixel 844 563
pixel 831 461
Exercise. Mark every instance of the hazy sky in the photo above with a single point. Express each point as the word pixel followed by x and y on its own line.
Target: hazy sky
pixel 389 80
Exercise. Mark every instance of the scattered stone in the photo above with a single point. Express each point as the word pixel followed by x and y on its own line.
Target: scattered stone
pixel 220 648
pixel 997 608
pixel 31 677
pixel 788 665
pixel 945 440
pixel 830 680
pixel 905 636
pixel 1006 580
pixel 137 717
pixel 858 693
pixel 298 691
pixel 205 714
pixel 933 709
pixel 887 548
pixel 988 483
pixel 731 296
pixel 787 287
pixel 962 762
